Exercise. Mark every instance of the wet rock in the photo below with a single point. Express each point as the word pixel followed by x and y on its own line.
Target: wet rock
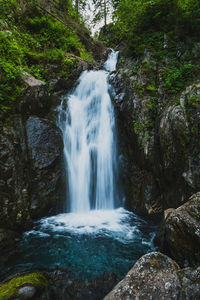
pixel 154 276
pixel 173 133
pixel 27 292
pixel 59 284
pixel 15 177
pixel 158 136
pixel 30 172
pixel 64 285
pixel 179 235
pixel 7 238
pixel 44 142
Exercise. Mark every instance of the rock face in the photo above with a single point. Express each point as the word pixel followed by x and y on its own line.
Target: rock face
pixel 7 238
pixel 45 149
pixel 179 235
pixel 156 276
pixel 158 136
pixel 30 171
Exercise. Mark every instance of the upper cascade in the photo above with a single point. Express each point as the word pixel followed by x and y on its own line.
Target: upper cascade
pixel 111 63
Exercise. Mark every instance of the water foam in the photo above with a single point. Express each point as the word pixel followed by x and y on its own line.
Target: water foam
pixel 117 224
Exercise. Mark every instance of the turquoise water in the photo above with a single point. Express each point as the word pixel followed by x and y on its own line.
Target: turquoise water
pixel 88 244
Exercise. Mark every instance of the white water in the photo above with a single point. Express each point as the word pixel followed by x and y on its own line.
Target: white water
pixel 89 142
pixel 111 223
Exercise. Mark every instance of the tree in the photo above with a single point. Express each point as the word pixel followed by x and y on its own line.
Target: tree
pixel 103 9
pixel 80 5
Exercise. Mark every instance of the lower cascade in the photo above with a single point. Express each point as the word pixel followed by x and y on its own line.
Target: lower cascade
pixel 94 234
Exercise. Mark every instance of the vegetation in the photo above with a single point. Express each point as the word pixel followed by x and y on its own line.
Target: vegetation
pixel 9 290
pixel 143 22
pixel 31 40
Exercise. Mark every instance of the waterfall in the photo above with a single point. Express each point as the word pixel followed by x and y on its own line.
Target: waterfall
pixel 89 141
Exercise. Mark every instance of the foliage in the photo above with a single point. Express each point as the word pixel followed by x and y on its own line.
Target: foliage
pixel 194 100
pixel 9 289
pixel 137 22
pixel 31 40
pixel 102 10
pixel 178 76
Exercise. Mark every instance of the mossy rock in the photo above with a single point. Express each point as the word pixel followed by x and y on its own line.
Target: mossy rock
pixel 10 289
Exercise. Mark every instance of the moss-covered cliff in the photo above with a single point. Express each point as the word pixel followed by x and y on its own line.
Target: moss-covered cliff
pixel 43 38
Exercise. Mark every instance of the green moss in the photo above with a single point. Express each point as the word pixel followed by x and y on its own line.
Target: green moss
pixel 138 127
pixel 139 89
pixel 151 88
pixel 194 100
pixel 9 289
pixel 33 41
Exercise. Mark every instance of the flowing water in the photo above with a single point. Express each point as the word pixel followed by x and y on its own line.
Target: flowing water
pixel 94 234
pixel 90 143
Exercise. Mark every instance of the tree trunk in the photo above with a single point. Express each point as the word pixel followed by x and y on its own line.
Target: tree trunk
pixel 105 13
pixel 77 6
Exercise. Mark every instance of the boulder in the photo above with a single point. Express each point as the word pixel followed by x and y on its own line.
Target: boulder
pixel 154 276
pixel 179 235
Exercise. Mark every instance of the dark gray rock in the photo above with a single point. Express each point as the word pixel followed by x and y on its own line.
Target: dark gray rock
pixel 179 235
pixel 158 136
pixel 15 177
pixel 64 285
pixel 190 282
pixel 30 172
pixel 7 238
pixel 44 143
pixel 35 96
